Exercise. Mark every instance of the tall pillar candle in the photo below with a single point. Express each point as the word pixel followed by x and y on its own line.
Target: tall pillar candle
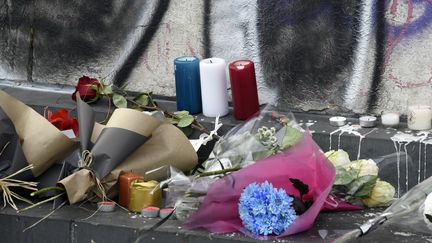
pixel 214 87
pixel 419 117
pixel 244 89
pixel 188 88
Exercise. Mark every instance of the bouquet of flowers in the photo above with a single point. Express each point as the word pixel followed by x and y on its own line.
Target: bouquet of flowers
pixel 29 146
pixel 130 141
pixel 357 182
pixel 282 182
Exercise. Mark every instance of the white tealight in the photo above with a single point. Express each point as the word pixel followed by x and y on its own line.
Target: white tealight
pixel 367 121
pixel 390 119
pixel 337 121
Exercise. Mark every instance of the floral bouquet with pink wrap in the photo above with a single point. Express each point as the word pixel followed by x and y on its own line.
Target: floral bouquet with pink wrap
pixel 279 195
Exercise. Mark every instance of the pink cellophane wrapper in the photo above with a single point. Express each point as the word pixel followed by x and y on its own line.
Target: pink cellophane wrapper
pixel 219 211
pixel 334 204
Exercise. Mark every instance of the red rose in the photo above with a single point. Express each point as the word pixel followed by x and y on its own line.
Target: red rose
pixel 63 121
pixel 88 89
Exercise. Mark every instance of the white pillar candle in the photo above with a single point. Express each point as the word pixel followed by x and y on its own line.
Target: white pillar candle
pixel 390 119
pixel 367 121
pixel 419 117
pixel 214 87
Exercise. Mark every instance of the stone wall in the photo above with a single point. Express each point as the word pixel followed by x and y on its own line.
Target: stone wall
pixel 355 56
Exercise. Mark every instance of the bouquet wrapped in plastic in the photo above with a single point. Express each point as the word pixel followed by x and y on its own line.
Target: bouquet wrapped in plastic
pixel 283 181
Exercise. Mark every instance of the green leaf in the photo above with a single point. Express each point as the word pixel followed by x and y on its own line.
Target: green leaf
pixel 362 186
pixel 343 176
pixel 185 121
pixel 292 137
pixel 172 121
pixel 107 90
pixel 142 99
pixel 119 101
pixel 181 114
pixel 261 154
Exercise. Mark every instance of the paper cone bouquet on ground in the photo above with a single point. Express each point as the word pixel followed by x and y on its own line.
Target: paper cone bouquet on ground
pixel 130 141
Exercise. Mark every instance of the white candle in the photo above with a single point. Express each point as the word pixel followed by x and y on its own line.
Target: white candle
pixel 367 121
pixel 390 119
pixel 214 87
pixel 337 121
pixel 419 117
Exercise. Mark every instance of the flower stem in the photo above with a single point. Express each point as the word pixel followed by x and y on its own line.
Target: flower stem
pixel 42 202
pixel 46 189
pixel 218 172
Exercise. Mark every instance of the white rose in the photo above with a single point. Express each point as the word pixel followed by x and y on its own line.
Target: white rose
pixel 381 195
pixel 363 167
pixel 338 158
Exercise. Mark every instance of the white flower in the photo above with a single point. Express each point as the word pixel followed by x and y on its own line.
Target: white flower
pixel 381 195
pixel 338 158
pixel 363 167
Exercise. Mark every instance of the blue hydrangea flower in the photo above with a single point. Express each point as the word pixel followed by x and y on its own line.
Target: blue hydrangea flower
pixel 266 210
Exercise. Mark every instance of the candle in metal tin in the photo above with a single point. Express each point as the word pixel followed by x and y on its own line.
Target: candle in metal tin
pixel 337 121
pixel 150 212
pixel 367 121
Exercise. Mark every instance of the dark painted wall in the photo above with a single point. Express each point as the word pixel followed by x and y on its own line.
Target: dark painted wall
pixel 361 56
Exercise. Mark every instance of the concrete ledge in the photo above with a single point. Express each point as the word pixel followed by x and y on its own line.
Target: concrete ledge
pixel 68 224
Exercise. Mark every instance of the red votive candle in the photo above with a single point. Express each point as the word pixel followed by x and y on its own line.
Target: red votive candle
pixel 244 89
pixel 125 180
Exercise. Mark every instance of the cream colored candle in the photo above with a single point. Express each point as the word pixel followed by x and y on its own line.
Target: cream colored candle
pixel 419 117
pixel 214 87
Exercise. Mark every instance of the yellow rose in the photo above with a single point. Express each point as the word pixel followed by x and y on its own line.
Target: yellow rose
pixel 381 195
pixel 363 167
pixel 338 158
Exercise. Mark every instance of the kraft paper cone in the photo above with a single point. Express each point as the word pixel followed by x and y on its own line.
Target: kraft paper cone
pixel 42 143
pixel 167 146
pixel 126 131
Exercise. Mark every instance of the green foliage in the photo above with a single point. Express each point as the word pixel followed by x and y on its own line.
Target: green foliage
pixel 291 138
pixel 181 119
pixel 119 101
pixel 142 99
pixel 344 176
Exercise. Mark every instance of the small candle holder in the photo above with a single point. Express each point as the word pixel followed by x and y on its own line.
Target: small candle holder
pixel 390 119
pixel 106 206
pixel 150 212
pixel 337 121
pixel 163 213
pixel 367 121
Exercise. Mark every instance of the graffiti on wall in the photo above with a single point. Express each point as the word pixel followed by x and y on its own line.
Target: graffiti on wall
pixel 352 56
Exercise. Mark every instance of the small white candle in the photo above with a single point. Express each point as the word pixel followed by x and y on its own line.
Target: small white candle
pixel 367 121
pixel 390 119
pixel 214 87
pixel 419 117
pixel 337 121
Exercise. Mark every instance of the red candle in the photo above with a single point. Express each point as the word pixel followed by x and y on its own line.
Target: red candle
pixel 125 180
pixel 244 89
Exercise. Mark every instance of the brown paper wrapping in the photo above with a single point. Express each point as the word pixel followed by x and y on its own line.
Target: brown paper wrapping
pixel 42 143
pixel 144 194
pixel 167 146
pixel 133 120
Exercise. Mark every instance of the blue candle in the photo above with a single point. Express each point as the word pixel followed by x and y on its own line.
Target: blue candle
pixel 188 88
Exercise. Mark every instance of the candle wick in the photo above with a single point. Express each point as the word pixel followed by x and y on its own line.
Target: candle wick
pixel 210 61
